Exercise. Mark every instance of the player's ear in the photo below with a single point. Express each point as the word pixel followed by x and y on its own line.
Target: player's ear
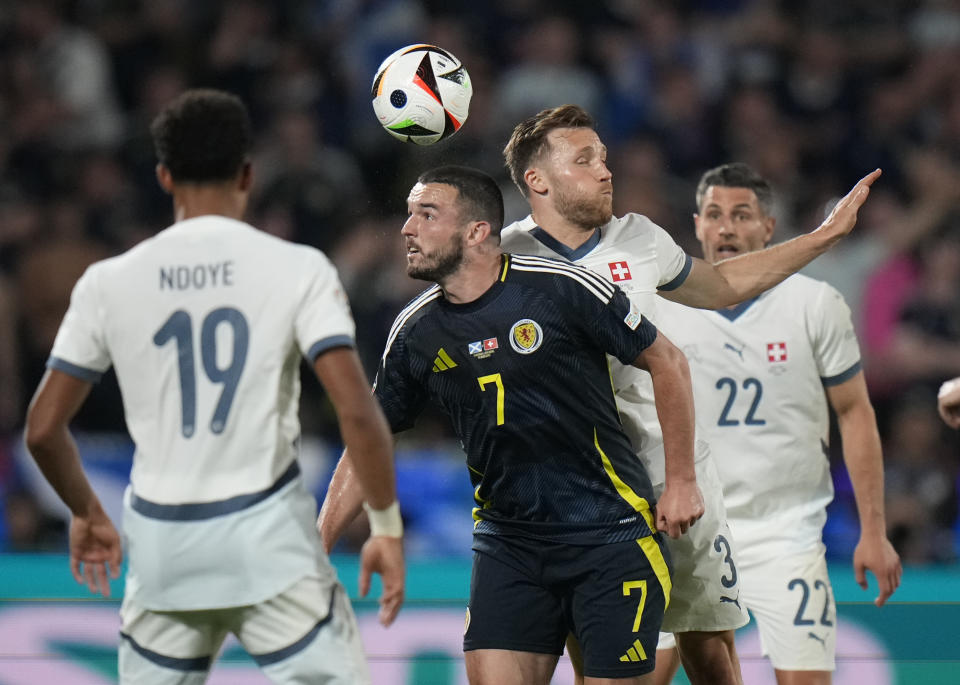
pixel 535 181
pixel 696 227
pixel 246 176
pixel 769 224
pixel 164 178
pixel 477 232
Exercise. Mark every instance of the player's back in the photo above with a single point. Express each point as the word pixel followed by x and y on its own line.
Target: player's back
pixel 205 324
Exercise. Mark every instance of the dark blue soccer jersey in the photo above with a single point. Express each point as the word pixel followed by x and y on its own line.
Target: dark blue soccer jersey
pixel 522 373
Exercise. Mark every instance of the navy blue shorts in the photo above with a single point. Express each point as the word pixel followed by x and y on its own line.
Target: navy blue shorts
pixel 526 595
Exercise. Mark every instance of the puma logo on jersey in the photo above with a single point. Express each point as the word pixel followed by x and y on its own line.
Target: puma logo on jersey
pixel 814 636
pixel 443 361
pixel 731 600
pixel 739 352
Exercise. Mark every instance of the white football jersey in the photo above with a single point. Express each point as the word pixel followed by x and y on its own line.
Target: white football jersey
pixel 759 371
pixel 641 258
pixel 205 325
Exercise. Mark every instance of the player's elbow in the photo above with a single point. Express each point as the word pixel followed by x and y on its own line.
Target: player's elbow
pixel 40 431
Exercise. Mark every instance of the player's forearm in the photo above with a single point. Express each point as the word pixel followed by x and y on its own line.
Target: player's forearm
pixel 56 454
pixel 341 505
pixel 750 274
pixel 673 398
pixel 370 450
pixel 863 456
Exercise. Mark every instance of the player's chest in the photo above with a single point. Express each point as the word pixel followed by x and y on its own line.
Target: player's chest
pixel 464 349
pixel 634 271
pixel 766 348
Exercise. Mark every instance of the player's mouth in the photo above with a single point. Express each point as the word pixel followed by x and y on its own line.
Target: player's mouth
pixel 727 250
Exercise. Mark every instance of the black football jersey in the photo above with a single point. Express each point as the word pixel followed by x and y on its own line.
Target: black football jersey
pixel 522 373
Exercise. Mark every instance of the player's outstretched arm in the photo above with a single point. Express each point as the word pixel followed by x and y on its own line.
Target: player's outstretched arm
pixel 680 504
pixel 95 549
pixel 948 402
pixel 864 459
pixel 731 281
pixel 369 448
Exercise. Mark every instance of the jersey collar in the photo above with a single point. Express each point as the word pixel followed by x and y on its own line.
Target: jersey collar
pixel 733 313
pixel 563 250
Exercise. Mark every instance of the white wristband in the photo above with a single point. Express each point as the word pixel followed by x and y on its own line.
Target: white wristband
pixel 948 387
pixel 386 522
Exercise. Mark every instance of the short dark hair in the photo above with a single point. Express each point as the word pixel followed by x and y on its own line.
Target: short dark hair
pixel 479 196
pixel 202 136
pixel 529 138
pixel 737 175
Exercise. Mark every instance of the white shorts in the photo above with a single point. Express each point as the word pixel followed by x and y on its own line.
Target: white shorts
pixel 306 634
pixel 792 602
pixel 706 578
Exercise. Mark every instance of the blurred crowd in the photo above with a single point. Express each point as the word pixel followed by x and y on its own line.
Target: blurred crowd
pixel 813 96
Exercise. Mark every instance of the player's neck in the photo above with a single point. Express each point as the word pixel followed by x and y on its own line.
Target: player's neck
pixel 570 234
pixel 474 277
pixel 190 201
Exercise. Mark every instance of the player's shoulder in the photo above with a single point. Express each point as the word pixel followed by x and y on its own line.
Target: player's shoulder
pixel 516 236
pixel 631 223
pixel 803 286
pixel 558 276
pixel 414 310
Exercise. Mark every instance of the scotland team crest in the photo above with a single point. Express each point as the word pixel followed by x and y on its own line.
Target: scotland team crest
pixel 526 336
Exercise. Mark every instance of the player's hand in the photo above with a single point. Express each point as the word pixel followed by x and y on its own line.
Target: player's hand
pixel 948 402
pixel 877 555
pixel 679 507
pixel 843 217
pixel 95 552
pixel 384 555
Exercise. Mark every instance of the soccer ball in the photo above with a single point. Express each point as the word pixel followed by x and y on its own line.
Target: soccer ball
pixel 421 94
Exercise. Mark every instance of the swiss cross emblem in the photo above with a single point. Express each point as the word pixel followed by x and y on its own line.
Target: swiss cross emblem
pixel 619 271
pixel 490 344
pixel 777 352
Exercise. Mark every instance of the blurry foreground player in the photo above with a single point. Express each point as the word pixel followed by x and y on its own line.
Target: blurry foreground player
pixel 764 372
pixel 205 325
pixel 514 350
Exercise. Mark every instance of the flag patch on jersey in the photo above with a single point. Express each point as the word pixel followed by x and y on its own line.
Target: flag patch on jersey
pixel 526 336
pixel 481 349
pixel 777 352
pixel 632 319
pixel 620 271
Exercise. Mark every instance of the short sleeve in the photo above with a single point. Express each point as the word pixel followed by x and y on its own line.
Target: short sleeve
pixel 622 330
pixel 80 346
pixel 323 320
pixel 610 319
pixel 673 263
pixel 835 345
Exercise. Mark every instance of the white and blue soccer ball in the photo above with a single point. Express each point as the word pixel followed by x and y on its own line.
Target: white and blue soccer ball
pixel 421 94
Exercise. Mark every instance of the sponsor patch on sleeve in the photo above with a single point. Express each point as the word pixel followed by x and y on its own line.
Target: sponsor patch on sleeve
pixel 632 319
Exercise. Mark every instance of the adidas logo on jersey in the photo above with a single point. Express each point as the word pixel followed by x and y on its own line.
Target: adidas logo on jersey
pixel 442 361
pixel 635 653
